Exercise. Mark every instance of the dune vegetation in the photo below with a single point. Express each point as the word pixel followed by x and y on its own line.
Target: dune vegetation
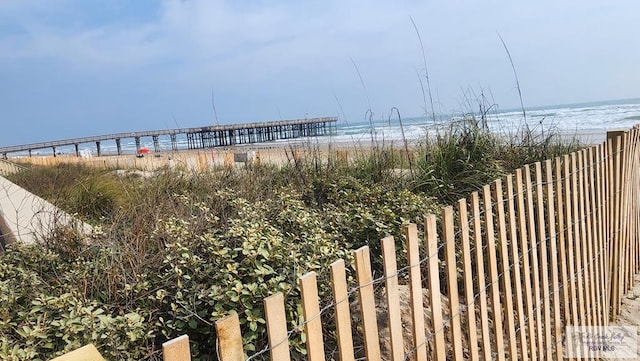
pixel 175 252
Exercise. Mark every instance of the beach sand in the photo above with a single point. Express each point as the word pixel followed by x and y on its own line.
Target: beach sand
pixel 206 159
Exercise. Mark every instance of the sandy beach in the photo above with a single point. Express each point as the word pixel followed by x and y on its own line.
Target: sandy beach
pixel 204 159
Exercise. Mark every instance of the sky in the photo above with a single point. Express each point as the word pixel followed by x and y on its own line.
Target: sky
pixel 74 68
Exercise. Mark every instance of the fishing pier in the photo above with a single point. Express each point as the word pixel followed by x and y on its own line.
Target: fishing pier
pixel 196 138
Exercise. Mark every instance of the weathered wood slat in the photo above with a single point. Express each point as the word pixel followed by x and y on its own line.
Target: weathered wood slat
pixel 437 324
pixel 393 297
pixel 583 238
pixel 311 311
pixel 277 327
pixel 496 306
pixel 503 248
pixel 533 254
pixel 177 349
pixel 517 274
pixel 229 338
pixel 553 256
pixel 589 215
pixel 468 273
pixel 562 249
pixel 602 247
pixel 616 276
pixel 544 268
pixel 481 277
pixel 451 268
pixel 526 269
pixel 582 319
pixel 570 239
pixel 342 312
pixel 84 353
pixel 367 304
pixel 415 284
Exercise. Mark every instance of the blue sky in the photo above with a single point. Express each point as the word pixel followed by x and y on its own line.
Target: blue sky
pixel 72 68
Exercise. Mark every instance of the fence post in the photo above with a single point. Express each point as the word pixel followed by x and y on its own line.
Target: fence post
pixel 229 338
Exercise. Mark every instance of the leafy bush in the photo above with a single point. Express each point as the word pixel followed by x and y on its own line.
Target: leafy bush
pixel 43 318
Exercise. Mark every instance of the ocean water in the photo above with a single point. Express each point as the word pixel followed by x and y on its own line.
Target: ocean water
pixel 586 121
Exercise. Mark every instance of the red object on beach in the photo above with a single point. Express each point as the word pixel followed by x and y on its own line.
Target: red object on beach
pixel 144 150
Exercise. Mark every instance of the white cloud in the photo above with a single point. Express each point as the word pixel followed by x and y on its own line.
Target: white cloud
pixel 296 55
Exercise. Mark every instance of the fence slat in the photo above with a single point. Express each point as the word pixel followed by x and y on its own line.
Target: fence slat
pixel 617 251
pixel 277 327
pixel 467 272
pixel 553 256
pixel 544 266
pixel 533 254
pixel 342 312
pixel 229 338
pixel 526 269
pixel 393 297
pixel 517 275
pixel 311 311
pixel 569 239
pixel 578 241
pixel 481 277
pixel 622 230
pixel 588 201
pixel 582 214
pixel 493 272
pixel 415 284
pixel 611 195
pixel 561 241
pixel 84 353
pixel 601 245
pixel 177 349
pixel 367 303
pixel 431 238
pixel 503 248
pixel 603 213
pixel 451 268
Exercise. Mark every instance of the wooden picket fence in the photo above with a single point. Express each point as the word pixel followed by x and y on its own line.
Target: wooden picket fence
pixel 554 244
